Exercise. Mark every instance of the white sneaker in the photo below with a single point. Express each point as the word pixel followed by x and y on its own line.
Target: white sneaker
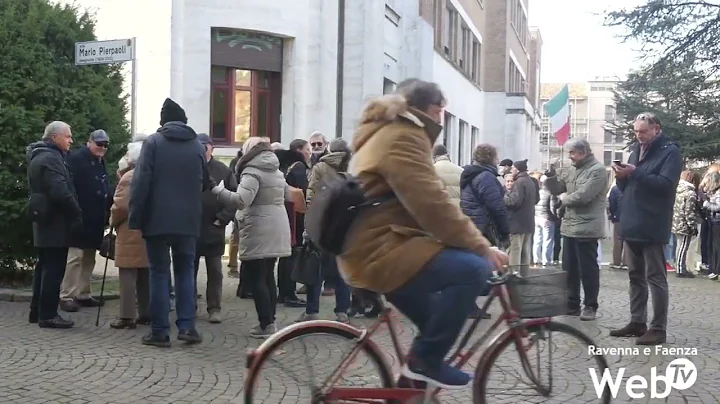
pixel 712 276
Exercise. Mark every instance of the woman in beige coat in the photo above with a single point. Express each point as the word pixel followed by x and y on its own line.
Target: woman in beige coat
pixel 130 253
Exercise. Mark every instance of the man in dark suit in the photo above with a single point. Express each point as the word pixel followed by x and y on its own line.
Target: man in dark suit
pixel 55 214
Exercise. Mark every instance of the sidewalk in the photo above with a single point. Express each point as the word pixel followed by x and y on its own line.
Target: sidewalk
pixel 111 282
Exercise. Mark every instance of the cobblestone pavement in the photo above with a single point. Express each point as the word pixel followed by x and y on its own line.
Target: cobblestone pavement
pixel 91 364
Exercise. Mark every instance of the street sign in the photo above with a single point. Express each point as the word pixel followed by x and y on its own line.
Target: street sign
pixel 107 52
pixel 104 52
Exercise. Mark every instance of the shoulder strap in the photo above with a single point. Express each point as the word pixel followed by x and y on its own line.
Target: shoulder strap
pixel 291 167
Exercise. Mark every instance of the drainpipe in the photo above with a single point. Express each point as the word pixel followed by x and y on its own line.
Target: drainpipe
pixel 340 69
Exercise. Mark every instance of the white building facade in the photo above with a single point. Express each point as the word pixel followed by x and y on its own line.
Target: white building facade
pixel 270 67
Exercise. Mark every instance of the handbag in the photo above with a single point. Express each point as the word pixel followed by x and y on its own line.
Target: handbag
pixel 107 246
pixel 307 268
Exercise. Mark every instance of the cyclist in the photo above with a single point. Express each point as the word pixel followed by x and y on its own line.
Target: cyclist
pixel 418 248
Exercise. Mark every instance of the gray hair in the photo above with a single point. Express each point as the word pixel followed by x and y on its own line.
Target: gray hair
pixel 338 145
pixel 421 94
pixel 54 128
pixel 317 133
pixel 577 144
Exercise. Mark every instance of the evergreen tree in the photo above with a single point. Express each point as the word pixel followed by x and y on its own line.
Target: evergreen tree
pixel 683 98
pixel 40 83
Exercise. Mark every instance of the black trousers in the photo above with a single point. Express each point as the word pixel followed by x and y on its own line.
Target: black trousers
pixel 260 279
pixel 715 248
pixel 557 242
pixel 49 273
pixel 580 262
pixel 286 286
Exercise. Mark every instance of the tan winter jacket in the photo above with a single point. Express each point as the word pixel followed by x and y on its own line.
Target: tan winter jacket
pixel 449 174
pixel 392 242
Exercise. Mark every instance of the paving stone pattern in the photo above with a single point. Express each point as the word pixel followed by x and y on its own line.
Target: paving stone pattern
pixel 91 364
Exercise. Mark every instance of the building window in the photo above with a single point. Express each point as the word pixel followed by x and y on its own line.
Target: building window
pixel 464 61
pixel 519 22
pixel 610 113
pixel 447 128
pixel 516 84
pixel 388 86
pixel 618 156
pixel 607 157
pixel 462 143
pixel 609 137
pixel 240 104
pixel 452 32
pixel 476 61
pixel 475 140
pixel 438 16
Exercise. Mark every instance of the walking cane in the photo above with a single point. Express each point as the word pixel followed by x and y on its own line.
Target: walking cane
pixel 102 286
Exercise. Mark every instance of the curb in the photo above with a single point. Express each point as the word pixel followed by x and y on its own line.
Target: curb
pixel 13 295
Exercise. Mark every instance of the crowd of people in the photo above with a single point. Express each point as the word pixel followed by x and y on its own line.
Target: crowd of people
pixel 438 234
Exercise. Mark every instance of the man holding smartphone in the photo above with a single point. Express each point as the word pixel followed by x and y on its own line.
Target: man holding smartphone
pixel 648 182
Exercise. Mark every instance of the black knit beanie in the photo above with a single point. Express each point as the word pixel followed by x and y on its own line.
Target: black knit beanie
pixel 172 112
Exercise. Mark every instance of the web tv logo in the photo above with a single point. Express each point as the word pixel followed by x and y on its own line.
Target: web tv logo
pixel 680 374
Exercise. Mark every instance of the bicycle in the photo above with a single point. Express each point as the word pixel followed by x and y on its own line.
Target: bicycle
pixel 528 317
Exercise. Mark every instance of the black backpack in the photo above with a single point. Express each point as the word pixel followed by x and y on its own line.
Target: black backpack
pixel 334 209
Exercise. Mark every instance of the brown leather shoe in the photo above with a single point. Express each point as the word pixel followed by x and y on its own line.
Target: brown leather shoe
pixel 652 337
pixel 630 330
pixel 69 306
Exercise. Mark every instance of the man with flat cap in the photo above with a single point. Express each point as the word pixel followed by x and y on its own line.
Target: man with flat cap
pixel 90 177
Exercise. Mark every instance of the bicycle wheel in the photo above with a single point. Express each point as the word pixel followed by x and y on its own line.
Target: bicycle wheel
pixel 314 353
pixel 575 362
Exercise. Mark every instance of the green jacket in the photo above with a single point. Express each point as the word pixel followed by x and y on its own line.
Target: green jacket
pixel 581 191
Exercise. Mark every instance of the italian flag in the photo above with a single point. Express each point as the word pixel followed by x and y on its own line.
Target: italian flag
pixel 558 109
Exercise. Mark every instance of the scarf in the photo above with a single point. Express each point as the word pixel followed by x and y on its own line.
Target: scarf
pixel 251 154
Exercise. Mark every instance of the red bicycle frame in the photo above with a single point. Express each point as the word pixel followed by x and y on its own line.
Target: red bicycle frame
pixel 516 329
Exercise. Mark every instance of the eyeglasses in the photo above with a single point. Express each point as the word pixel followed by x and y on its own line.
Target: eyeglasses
pixel 104 145
pixel 317 144
pixel 649 118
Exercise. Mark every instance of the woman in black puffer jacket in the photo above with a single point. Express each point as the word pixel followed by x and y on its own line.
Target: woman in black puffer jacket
pixel 482 196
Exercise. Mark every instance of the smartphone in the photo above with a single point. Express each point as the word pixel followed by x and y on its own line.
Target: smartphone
pixel 618 163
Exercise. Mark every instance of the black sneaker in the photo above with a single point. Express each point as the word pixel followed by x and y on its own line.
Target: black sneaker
pixel 161 341
pixel 91 302
pixel 685 275
pixel 57 322
pixel 190 336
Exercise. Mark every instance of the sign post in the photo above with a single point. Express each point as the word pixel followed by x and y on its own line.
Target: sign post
pixel 109 52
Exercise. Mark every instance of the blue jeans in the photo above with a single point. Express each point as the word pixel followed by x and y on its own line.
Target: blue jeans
pixel 670 248
pixel 439 299
pixel 543 241
pixel 342 290
pixel 183 257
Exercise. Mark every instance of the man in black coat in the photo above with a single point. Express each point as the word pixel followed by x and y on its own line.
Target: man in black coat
pixel 90 178
pixel 55 214
pixel 166 205
pixel 648 182
pixel 215 217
